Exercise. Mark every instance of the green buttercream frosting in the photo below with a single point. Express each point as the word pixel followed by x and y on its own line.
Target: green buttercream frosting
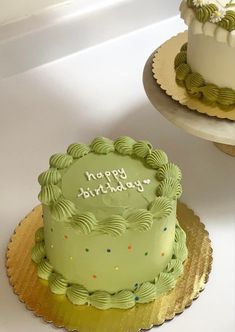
pixel 60 193
pixel 182 71
pixel 228 22
pixel 124 299
pixel 146 293
pixel 156 159
pixel 141 220
pixel 192 82
pixel 49 194
pixel 197 87
pixel 63 209
pixel 114 225
pixel 78 150
pixel 44 269
pixel 204 13
pixel 170 188
pixel 180 58
pixel 77 294
pixel 169 170
pixel 38 252
pixel 60 160
pixel 175 267
pixel 164 282
pixel 226 97
pixel 124 145
pixel 51 176
pixel 190 3
pixel 142 149
pixel 84 223
pixel 184 47
pixel 57 284
pixel 39 235
pixel 210 93
pixel 161 207
pixel 102 145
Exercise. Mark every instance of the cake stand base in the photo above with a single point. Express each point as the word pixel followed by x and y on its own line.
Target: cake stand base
pixel 228 149
pixel 56 309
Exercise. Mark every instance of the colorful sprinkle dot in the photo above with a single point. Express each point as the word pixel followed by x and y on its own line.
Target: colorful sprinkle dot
pixel 51 246
pixel 71 258
pixel 116 268
pixel 137 298
pixel 129 247
pixel 165 229
pixel 51 229
pixel 66 237
pixel 162 254
pixel 146 253
pixel 108 250
pixel 87 250
pixel 94 276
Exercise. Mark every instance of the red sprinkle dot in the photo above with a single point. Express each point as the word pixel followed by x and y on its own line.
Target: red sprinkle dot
pixel 129 247
pixel 162 254
pixel 94 276
pixel 66 237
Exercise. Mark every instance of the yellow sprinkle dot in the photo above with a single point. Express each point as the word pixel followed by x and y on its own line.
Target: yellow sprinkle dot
pixel 116 268
pixel 71 258
pixel 52 246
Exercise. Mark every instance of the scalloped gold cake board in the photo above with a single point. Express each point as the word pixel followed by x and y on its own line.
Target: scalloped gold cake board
pixel 56 309
pixel 164 73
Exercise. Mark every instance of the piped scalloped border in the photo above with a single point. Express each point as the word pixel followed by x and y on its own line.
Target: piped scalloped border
pixel 124 299
pixel 63 210
pixel 209 19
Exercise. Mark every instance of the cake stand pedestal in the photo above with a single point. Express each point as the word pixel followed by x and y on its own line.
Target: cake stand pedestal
pixel 219 131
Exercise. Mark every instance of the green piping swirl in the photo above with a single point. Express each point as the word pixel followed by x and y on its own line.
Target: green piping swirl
pixel 64 210
pixel 196 86
pixel 140 220
pixel 124 299
pixel 78 150
pixel 204 13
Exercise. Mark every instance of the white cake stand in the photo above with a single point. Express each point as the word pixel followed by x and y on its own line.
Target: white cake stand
pixel 219 131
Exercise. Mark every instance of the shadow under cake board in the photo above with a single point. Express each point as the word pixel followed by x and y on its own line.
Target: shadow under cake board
pixel 219 131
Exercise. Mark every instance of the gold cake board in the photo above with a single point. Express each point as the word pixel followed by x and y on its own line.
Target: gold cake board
pixel 56 309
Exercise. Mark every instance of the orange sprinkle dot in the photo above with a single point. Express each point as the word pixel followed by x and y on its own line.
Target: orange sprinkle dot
pixel 129 247
pixel 66 237
pixel 94 276
pixel 162 254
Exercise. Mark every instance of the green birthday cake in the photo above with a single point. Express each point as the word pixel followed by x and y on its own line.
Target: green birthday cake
pixel 110 236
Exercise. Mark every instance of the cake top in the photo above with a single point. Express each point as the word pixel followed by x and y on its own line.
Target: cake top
pixel 110 186
pixel 211 17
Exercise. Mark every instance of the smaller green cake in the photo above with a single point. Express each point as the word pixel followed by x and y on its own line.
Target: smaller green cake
pixel 111 237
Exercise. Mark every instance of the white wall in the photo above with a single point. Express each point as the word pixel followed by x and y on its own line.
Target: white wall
pixel 13 10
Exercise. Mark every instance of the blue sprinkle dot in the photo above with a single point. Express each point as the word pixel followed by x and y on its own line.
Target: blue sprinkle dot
pixel 165 229
pixel 108 250
pixel 136 285
pixel 87 250
pixel 137 298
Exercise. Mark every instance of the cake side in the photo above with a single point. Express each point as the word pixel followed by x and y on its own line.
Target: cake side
pixel 111 205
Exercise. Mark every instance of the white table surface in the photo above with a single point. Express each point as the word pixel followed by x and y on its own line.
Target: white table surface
pixel 99 92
